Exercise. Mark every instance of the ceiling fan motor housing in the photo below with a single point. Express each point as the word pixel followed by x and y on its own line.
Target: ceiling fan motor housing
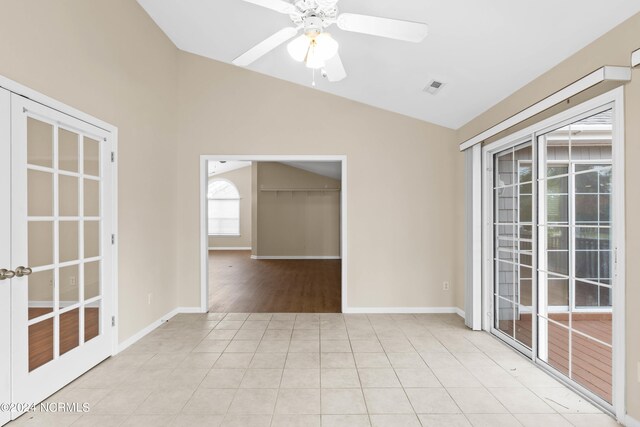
pixel 314 15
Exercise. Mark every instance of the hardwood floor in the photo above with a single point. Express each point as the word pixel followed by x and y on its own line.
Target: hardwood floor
pixel 41 333
pixel 239 284
pixel 591 362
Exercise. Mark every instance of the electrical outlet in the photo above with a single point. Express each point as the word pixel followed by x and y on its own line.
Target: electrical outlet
pixel 149 299
pixel 72 280
pixel 445 286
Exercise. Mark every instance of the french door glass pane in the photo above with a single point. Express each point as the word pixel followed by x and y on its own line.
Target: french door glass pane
pixel 39 143
pixel 91 239
pixel 40 241
pixel 64 223
pixel 91 157
pixel 69 330
pixel 40 343
pixel 67 150
pixel 68 285
pixel 91 197
pixel 68 241
pixel 40 196
pixel 91 280
pixel 68 190
pixel 40 293
pixel 91 321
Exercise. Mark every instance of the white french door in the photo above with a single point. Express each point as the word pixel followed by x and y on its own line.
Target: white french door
pixel 60 253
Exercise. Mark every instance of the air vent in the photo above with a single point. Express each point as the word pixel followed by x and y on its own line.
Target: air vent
pixel 434 87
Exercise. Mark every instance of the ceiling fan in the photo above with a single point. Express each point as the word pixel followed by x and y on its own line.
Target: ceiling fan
pixel 315 47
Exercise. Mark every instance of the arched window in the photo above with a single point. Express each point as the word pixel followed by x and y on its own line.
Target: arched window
pixel 224 208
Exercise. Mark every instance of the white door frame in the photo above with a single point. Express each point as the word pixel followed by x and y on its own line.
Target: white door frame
pixel 204 241
pixel 616 98
pixel 5 253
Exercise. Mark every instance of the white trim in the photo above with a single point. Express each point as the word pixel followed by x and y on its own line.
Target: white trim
pixel 405 310
pixel 49 304
pixel 606 73
pixel 17 88
pixel 635 58
pixel 190 310
pixel 146 330
pixel 296 257
pixel 629 421
pixel 204 238
pixel 154 325
pixel 619 243
pixel 476 238
pixel 230 248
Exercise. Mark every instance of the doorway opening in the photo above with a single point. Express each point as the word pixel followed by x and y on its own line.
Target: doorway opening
pixel 273 234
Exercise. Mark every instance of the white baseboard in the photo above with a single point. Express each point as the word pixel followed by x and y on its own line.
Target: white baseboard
pixel 460 312
pixel 151 327
pixel 405 310
pixel 190 310
pixel 295 257
pixel 230 248
pixel 629 421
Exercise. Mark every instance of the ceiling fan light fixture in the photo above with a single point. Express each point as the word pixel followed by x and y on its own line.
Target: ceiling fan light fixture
pixel 299 47
pixel 313 48
pixel 325 46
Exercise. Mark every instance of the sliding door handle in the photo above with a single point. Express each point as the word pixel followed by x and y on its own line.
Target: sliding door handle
pixel 23 271
pixel 6 274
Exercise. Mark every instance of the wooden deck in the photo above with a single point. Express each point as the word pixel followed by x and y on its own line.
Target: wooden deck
pixel 591 361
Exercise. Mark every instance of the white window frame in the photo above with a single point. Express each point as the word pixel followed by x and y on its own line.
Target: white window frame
pixel 238 199
pixel 615 98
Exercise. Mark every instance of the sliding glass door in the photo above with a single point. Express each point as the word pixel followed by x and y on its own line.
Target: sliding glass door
pixel 513 254
pixel 574 231
pixel 553 251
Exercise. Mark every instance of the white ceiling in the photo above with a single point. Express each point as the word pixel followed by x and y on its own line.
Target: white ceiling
pixel 483 50
pixel 328 169
pixel 217 167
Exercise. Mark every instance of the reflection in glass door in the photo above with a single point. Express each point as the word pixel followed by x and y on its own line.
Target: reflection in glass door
pixel 60 223
pixel 513 254
pixel 575 256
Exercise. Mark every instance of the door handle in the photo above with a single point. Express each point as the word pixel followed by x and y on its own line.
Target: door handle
pixel 23 271
pixel 6 274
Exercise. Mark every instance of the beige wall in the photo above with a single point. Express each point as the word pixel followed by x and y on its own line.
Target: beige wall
pixel 108 59
pixel 241 178
pixel 399 224
pixel 296 223
pixel 614 48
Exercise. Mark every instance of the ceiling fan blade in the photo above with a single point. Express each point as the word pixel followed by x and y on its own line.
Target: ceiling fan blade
pixel 334 68
pixel 383 27
pixel 277 5
pixel 265 46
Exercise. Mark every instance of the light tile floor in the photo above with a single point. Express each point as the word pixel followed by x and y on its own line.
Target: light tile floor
pixel 328 370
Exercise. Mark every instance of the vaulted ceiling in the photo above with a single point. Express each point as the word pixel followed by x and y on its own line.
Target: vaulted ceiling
pixel 483 50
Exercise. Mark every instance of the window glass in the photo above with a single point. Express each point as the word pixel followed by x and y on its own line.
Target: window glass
pixel 224 208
